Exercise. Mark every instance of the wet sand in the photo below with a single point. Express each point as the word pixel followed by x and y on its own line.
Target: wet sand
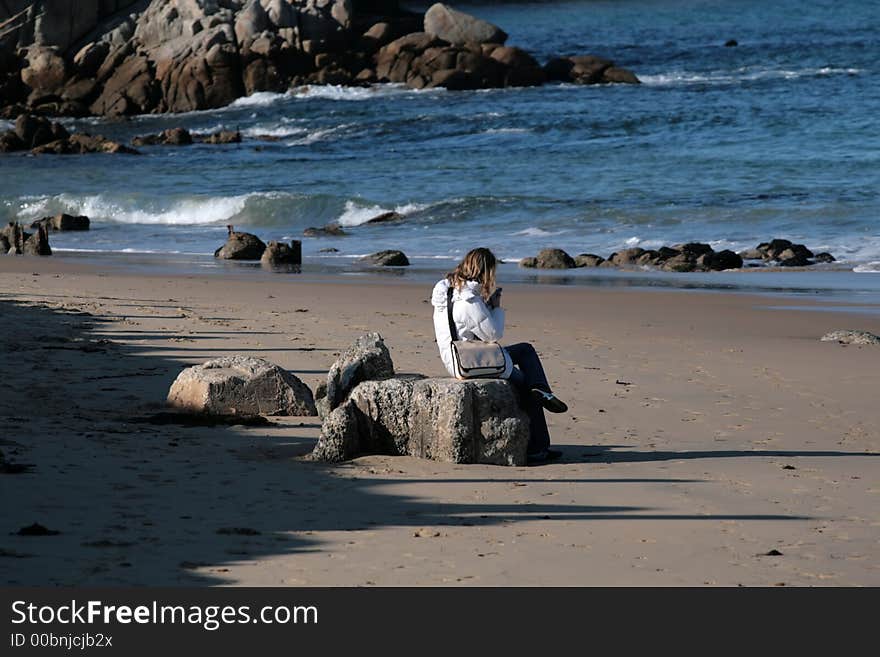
pixel 707 432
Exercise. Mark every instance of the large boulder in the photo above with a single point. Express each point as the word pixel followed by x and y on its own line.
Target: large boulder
pixel 460 28
pixel 550 259
pixel 367 359
pixel 477 421
pixel 241 246
pixel 240 385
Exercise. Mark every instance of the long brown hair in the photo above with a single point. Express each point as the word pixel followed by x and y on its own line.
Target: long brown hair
pixel 478 265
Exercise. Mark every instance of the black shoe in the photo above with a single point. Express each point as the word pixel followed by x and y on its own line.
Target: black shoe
pixel 544 456
pixel 549 401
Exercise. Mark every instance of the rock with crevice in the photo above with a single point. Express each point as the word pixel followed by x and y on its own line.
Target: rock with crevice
pixel 477 421
pixel 366 359
pixel 240 385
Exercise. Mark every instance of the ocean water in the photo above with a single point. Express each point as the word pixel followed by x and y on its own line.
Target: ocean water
pixel 778 137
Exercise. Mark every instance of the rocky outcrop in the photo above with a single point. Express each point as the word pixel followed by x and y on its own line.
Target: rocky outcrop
pixel 366 360
pixel 587 69
pixel 169 137
pixel 15 241
pixel 389 258
pixel 477 421
pixel 852 337
pixel 241 246
pixel 63 222
pixel 689 257
pixel 123 57
pixel 240 385
pixel 280 253
pixel 42 137
pixel 458 28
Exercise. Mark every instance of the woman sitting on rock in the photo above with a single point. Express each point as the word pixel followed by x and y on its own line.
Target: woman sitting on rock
pixel 478 315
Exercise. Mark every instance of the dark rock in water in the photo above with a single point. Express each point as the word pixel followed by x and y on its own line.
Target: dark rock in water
pixel 222 137
pixel 618 75
pixel 720 261
pixel 169 137
pixel 330 230
pixel 588 260
pixel 390 258
pixel 530 262
pixel 385 217
pixel 731 43
pixel 241 246
pixel 693 249
pixel 328 250
pixel 37 529
pixel 35 131
pixel 10 142
pixel 279 253
pixel 680 263
pixel 82 143
pixel 554 259
pixel 459 28
pixel 773 248
pixel 63 222
pixel 825 257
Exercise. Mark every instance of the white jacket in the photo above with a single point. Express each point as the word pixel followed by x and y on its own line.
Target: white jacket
pixel 474 320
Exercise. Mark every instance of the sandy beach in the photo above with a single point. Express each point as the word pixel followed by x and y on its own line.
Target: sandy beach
pixel 711 440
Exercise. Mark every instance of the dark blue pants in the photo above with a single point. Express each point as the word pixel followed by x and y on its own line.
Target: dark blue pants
pixel 528 373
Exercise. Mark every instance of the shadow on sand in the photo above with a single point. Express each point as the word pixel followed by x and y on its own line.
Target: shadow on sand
pixel 141 504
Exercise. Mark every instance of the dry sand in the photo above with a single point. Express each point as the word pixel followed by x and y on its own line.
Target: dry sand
pixel 705 431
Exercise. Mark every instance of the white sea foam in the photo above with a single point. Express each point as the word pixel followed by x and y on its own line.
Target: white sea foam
pixel 744 74
pixel 320 135
pixel 337 92
pixel 868 268
pixel 502 131
pixel 259 99
pixel 537 232
pixel 355 215
pixel 185 211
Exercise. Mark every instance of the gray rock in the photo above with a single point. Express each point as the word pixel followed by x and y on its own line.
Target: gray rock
pixel 330 230
pixel 588 260
pixel 627 257
pixel 618 75
pixel 476 421
pixel 825 257
pixel 38 243
pixel 460 28
pixel 851 337
pixel 385 217
pixel 553 259
pixel 390 258
pixel 241 246
pixel 529 262
pixel 367 359
pixel 240 385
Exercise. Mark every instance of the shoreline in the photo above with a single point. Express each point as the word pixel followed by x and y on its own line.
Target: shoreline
pixel 831 286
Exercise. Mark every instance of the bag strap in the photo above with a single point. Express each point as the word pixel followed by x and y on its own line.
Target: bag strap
pixel 453 332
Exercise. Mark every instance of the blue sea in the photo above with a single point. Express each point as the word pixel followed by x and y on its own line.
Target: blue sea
pixel 777 137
